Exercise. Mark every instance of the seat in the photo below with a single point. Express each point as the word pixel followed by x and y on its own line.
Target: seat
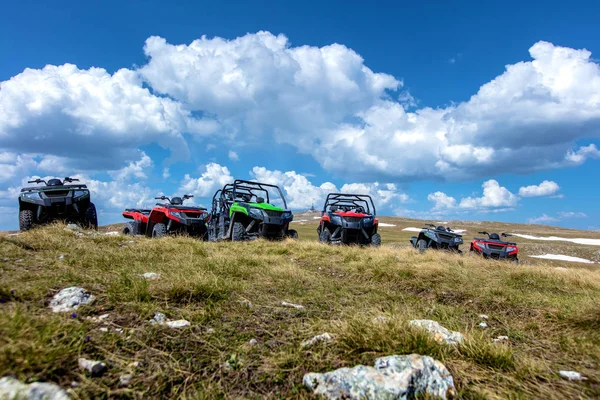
pixel 494 236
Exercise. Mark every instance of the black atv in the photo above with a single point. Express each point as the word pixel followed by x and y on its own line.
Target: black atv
pixel 245 210
pixel 494 247
pixel 56 201
pixel 349 219
pixel 437 237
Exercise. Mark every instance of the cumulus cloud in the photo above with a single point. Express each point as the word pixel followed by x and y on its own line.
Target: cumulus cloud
pixel 134 169
pixel 494 197
pixel 543 219
pixel 546 188
pixel 214 177
pixel 441 200
pixel 571 214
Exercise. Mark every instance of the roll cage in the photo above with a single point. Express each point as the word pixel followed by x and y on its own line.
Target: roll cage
pixel 347 202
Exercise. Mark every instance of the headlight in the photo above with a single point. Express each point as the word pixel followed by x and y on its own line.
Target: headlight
pixel 176 214
pixel 255 213
pixel 336 219
pixel 286 214
pixel 482 245
pixel 32 195
pixel 80 193
pixel 510 249
pixel 458 240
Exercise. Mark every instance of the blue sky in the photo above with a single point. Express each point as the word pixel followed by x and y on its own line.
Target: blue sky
pixel 441 110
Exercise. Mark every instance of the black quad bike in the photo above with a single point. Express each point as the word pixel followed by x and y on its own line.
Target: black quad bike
pixel 437 237
pixel 349 219
pixel 246 210
pixel 56 200
pixel 494 247
pixel 166 218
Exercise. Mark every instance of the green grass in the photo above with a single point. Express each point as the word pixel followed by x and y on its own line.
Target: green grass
pixel 551 317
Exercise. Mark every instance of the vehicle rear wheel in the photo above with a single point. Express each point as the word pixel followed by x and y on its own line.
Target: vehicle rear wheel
pixel 91 218
pixel 131 229
pixel 292 234
pixel 159 230
pixel 515 260
pixel 376 240
pixel 239 232
pixel 25 220
pixel 421 246
pixel 325 236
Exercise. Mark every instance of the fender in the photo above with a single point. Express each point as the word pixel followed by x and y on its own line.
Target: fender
pixel 236 208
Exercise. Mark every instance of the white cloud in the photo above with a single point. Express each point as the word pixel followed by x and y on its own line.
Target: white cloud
pixel 213 178
pixel 166 173
pixel 579 156
pixel 382 193
pixel 233 156
pixel 134 169
pixel 546 188
pixel 441 200
pixel 543 219
pixel 571 214
pixel 494 197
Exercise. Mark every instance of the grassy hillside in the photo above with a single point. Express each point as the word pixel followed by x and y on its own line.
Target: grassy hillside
pixel 232 293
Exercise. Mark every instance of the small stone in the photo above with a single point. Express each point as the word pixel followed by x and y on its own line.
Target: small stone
pixel 70 299
pixel 74 384
pixel 74 227
pixel 103 316
pixel 151 276
pixel 253 342
pixel 572 375
pixel 11 388
pixel 131 242
pixel 125 380
pixel 96 368
pixel 439 333
pixel 113 233
pixel 20 260
pixel 119 330
pixel 134 364
pixel 380 320
pixel 483 325
pixel 180 323
pixel 210 330
pixel 61 257
pixel 246 303
pixel 325 337
pixel 291 305
pixel 159 318
pixel 483 316
pixel 103 329
pixel 500 339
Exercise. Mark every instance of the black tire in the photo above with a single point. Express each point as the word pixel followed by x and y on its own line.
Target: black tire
pixel 376 240
pixel 91 218
pixel 292 234
pixel 421 245
pixel 25 220
pixel 239 232
pixel 159 230
pixel 131 228
pixel 325 236
pixel 515 260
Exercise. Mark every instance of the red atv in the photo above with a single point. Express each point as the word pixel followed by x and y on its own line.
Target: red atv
pixel 347 219
pixel 494 247
pixel 171 217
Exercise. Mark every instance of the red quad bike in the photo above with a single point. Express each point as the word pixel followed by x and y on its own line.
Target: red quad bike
pixel 349 219
pixel 171 217
pixel 494 247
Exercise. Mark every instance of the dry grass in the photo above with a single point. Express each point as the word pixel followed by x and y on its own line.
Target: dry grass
pixel 551 317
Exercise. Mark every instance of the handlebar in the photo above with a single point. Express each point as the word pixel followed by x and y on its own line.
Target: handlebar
pixel 188 196
pixel 67 179
pixel 483 233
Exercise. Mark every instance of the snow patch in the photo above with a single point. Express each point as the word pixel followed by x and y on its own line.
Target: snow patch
pixel 384 224
pixel 591 242
pixel 410 229
pixel 561 257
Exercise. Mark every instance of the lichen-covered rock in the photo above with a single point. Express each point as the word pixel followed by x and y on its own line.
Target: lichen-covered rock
pixel 439 333
pixel 325 337
pixel 151 276
pixel 393 377
pixel 292 305
pixel 13 389
pixel 571 375
pixel 70 299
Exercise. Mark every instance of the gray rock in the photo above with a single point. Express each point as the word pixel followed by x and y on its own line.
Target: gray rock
pixel 151 276
pixel 70 299
pixel 210 330
pixel 125 380
pixel 96 368
pixel 571 375
pixel 393 377
pixel 439 333
pixel 246 303
pixel 180 323
pixel 292 305
pixel 161 319
pixel 13 389
pixel 483 325
pixel 483 316
pixel 500 339
pixel 253 342
pixel 72 227
pixel 325 337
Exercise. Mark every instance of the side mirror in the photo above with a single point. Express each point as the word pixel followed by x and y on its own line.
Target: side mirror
pixel 260 200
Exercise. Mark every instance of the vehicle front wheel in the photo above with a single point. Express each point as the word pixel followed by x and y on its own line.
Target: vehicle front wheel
pixel 25 220
pixel 292 234
pixel 325 236
pixel 130 229
pixel 376 240
pixel 421 246
pixel 91 217
pixel 159 230
pixel 239 232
